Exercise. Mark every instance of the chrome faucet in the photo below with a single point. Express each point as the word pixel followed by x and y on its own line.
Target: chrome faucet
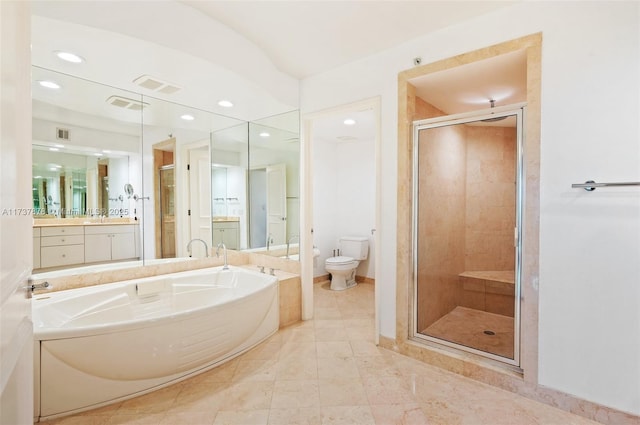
pixel 206 247
pixel 224 250
pixel 269 240
pixel 289 242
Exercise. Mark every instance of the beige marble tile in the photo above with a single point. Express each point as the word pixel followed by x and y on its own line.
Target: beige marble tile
pixel 242 417
pixel 188 418
pixel 347 415
pixel 399 414
pixel 342 392
pixel 302 416
pixel 333 349
pixel 255 370
pixel 135 419
pixel 297 367
pixel 295 394
pixel 248 395
pixel 337 367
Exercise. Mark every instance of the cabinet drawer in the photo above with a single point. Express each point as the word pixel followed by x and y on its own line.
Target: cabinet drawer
pixel 53 256
pixel 62 231
pixel 223 225
pixel 62 240
pixel 113 228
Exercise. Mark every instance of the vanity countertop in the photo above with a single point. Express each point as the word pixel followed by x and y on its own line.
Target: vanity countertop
pixel 218 219
pixel 56 222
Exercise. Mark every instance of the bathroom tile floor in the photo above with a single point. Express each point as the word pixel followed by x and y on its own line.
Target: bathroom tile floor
pixel 327 371
pixel 467 326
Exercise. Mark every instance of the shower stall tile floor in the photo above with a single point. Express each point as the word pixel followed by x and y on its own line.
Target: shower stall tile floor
pixel 477 329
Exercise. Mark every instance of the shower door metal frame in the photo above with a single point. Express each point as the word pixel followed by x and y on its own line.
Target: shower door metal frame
pixel 518 110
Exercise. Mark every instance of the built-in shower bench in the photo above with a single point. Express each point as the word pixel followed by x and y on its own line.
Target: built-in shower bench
pixel 491 291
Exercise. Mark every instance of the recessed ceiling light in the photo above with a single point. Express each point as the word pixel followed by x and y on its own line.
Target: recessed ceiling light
pixel 225 103
pixel 69 57
pixel 37 177
pixel 264 134
pixel 106 151
pixel 349 121
pixel 49 84
pixel 97 154
pixel 59 146
pixel 187 117
pixel 54 149
pixel 53 169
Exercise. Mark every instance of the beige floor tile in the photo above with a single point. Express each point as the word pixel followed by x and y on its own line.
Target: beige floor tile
pixel 265 351
pixel 342 392
pixel 248 396
pixel 388 390
pixel 188 418
pixel 255 370
pixel 242 417
pixel 347 415
pixel 376 366
pixel 295 394
pixel 337 367
pixel 331 334
pixel 399 414
pixel 298 350
pixel 297 367
pixel 302 416
pixel 136 419
pixel 200 397
pixel 363 348
pixel 333 349
pixel 327 313
pixel 328 323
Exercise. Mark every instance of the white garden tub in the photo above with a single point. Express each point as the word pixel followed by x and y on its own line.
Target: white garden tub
pixel 106 343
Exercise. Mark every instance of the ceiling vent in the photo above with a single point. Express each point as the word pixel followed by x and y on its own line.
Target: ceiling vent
pixel 156 84
pixel 126 103
pixel 62 133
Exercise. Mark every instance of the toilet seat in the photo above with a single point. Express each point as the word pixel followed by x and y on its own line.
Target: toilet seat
pixel 338 261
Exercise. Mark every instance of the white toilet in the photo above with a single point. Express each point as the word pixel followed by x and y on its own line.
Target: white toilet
pixel 353 249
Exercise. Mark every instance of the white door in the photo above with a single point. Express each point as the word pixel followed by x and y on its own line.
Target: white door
pixel 200 200
pixel 277 204
pixel 16 329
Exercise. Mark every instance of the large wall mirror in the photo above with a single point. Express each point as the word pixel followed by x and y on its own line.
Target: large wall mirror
pixel 175 174
pixel 255 185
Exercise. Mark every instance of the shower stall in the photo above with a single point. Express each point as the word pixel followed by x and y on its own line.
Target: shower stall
pixel 467 203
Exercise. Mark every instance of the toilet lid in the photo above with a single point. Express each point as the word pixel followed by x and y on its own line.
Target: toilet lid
pixel 339 260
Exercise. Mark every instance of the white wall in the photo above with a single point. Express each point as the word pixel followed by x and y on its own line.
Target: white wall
pixel 589 329
pixel 344 183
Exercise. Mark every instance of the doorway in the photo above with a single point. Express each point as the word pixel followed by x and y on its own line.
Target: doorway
pixel 356 163
pixel 164 182
pixel 466 231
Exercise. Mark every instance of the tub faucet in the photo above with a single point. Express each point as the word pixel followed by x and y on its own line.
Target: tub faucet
pixel 206 247
pixel 269 240
pixel 289 243
pixel 224 250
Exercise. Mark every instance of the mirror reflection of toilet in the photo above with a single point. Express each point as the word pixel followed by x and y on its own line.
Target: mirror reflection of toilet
pixel 353 249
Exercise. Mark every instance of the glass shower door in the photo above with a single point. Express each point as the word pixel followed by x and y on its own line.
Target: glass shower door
pixel 466 225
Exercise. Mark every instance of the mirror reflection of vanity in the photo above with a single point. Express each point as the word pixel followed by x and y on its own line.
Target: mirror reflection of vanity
pixel 98 199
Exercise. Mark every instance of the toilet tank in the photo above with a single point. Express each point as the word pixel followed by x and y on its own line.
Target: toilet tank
pixel 356 247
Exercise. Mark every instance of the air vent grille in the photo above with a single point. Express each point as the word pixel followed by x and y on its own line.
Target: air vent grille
pixel 62 133
pixel 126 103
pixel 156 84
